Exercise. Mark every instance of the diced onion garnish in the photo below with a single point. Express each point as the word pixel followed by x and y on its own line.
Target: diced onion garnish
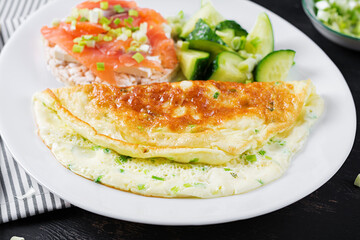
pixel 167 30
pixel 357 181
pixel 144 47
pixel 118 9
pixel 93 17
pixel 138 57
pixel 100 66
pixel 133 13
pixel 78 48
pixel 321 5
pixel 90 43
pixel 122 37
pixel 104 5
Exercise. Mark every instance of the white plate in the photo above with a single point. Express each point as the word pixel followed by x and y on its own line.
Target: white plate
pixel 23 72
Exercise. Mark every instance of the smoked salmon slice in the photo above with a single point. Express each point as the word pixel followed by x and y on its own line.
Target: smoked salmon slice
pixel 110 36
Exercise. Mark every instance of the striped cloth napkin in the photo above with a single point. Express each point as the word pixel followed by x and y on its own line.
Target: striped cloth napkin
pixel 20 195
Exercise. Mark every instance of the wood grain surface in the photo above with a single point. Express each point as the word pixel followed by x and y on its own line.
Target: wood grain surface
pixel 331 212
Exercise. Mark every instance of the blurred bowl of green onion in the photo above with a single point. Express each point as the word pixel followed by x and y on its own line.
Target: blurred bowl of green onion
pixel 337 20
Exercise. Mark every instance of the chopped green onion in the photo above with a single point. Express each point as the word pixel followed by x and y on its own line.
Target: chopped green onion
pixel 157 178
pixel 107 150
pixel 73 25
pixel 84 12
pixel 69 19
pixel 55 23
pixel 117 21
pixel 98 179
pixel 138 57
pixel 216 95
pixel 357 181
pixel 129 21
pixel 268 158
pixel 194 160
pixel 227 169
pixel 262 152
pixel 133 13
pixel 256 131
pixel 242 42
pixel 87 37
pixel 75 13
pixel 235 43
pixel 78 48
pixel 95 147
pixel 234 175
pixel 175 189
pixel 187 185
pixel 255 41
pixel 100 66
pixel 108 38
pixel 121 170
pixel 69 166
pixel 104 20
pixel 83 19
pixel 141 186
pixel 181 14
pixel 183 45
pixel 104 5
pixel 146 171
pixel 118 9
pixel 106 27
pixel 251 158
pixel 260 181
pixel 122 159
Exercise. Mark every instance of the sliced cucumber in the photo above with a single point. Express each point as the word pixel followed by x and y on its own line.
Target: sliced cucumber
pixel 275 66
pixel 208 13
pixel 203 31
pixel 231 25
pixel 208 46
pixel 225 68
pixel 193 63
pixel 261 38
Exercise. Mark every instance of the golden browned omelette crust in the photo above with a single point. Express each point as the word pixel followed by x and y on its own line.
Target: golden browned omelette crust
pixel 211 122
pixel 157 105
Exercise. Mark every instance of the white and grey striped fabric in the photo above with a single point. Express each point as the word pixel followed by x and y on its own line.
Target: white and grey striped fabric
pixel 14 181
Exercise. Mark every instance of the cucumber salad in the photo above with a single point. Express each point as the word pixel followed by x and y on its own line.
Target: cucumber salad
pixel 212 47
pixel 340 15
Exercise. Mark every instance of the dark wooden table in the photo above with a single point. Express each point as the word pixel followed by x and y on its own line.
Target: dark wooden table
pixel 331 212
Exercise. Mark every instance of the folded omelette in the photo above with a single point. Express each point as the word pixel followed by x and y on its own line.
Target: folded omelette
pixel 186 139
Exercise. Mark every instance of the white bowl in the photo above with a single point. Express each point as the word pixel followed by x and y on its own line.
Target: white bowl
pixel 334 36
